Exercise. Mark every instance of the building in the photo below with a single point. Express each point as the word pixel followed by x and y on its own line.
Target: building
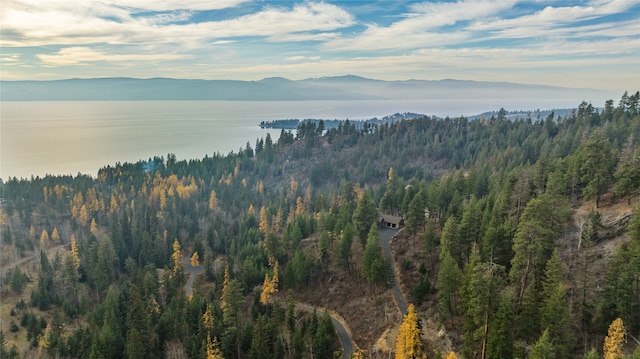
pixel 389 221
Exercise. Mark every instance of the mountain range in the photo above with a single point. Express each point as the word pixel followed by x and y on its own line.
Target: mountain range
pixel 347 87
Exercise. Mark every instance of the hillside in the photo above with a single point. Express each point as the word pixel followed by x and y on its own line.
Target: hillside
pixel 280 89
pixel 512 229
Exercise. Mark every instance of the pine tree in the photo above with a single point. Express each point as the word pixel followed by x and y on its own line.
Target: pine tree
pixel 231 301
pixel 614 340
pixel 555 314
pixel 374 265
pixel 542 349
pixel 364 216
pixel 596 160
pixel 499 337
pixel 408 342
pixel 479 297
pixel 448 285
pixel 592 354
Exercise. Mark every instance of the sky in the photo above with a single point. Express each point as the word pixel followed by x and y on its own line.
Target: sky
pixel 570 43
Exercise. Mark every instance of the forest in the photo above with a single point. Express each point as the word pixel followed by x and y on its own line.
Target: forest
pixel 521 239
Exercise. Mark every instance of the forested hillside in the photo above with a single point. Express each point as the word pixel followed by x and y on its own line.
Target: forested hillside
pixel 521 240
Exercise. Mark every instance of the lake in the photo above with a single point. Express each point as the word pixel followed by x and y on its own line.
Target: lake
pixel 68 137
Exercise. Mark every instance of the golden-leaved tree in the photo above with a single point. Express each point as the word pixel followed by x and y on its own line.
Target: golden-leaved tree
pixel 195 260
pixel 176 256
pixel 213 200
pixel 408 342
pixel 613 342
pixel 269 286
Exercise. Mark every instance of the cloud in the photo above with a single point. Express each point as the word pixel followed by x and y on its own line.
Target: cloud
pixel 302 58
pixel 27 23
pixel 81 55
pixel 551 20
pixel 420 27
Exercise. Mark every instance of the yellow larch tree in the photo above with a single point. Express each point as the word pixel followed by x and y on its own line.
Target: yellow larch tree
pixel 274 280
pixel 176 256
pixel 251 210
pixel 613 342
pixel 308 195
pixel 113 204
pixel 213 350
pixel 83 216
pixel 207 318
pixel 299 206
pixel 408 342
pixel 276 223
pixel 93 228
pixel 55 237
pixel 45 192
pixel 74 252
pixel 267 290
pixel 260 187
pixel 293 188
pixel 44 239
pixel 32 232
pixel 452 355
pixel 244 182
pixel 269 286
pixel 213 200
pixel 264 221
pixel 195 260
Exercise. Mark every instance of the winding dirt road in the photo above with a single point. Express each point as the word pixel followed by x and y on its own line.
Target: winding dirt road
pixel 386 234
pixel 192 272
pixel 338 323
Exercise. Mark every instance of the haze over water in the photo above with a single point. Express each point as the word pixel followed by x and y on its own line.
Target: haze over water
pixel 70 137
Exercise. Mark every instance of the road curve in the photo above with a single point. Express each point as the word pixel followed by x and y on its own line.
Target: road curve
pixel 192 273
pixel 385 235
pixel 343 332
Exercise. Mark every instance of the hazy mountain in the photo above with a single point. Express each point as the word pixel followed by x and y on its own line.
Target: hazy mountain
pixel 277 88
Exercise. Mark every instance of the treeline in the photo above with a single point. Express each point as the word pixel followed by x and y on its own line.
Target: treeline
pixel 498 194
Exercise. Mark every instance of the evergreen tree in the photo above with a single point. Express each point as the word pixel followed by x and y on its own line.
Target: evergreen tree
pixel 374 265
pixel 543 348
pixel 499 337
pixel 448 285
pixel 479 296
pixel 596 158
pixel 555 314
pixel 364 216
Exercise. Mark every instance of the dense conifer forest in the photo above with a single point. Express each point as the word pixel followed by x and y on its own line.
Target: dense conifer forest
pixel 506 260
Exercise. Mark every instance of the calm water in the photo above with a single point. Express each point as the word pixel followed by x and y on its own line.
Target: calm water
pixel 38 138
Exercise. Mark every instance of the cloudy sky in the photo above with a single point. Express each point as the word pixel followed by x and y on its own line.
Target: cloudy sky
pixel 573 43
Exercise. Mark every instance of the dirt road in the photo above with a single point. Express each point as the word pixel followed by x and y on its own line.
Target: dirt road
pixel 192 272
pixel 385 235
pixel 343 332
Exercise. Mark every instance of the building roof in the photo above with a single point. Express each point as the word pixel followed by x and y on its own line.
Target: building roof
pixel 389 218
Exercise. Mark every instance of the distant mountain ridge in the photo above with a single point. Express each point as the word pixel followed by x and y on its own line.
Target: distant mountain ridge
pixel 348 87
